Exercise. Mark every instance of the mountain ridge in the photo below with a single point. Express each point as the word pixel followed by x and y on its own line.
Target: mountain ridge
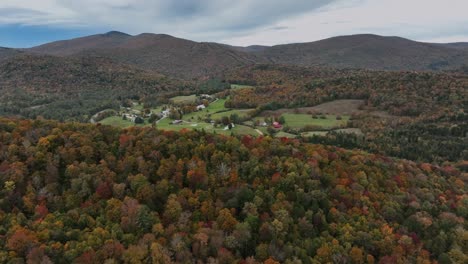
pixel 368 51
pixel 189 59
pixel 157 52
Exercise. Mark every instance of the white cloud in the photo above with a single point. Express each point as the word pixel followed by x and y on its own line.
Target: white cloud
pixel 425 20
pixel 245 22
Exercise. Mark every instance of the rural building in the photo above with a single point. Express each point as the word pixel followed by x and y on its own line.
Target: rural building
pixel 277 125
pixel 130 117
pixel 230 126
pixel 200 107
pixel 205 96
pixel 165 113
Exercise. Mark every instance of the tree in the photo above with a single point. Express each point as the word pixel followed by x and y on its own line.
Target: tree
pixel 282 120
pixel 225 120
pixel 173 209
pixel 225 220
pixel 21 241
pixel 356 255
pixel 235 118
pixel 139 120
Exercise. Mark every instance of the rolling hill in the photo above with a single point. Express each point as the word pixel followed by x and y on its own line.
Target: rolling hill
pixel 159 52
pixel 188 59
pixel 456 45
pixel 369 52
pixel 70 47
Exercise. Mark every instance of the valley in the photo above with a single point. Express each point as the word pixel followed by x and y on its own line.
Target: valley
pixel 149 148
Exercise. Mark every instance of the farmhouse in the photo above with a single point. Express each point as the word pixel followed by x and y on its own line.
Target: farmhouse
pixel 200 107
pixel 177 122
pixel 206 96
pixel 277 125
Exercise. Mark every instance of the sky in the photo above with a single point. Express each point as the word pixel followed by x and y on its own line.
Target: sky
pixel 29 23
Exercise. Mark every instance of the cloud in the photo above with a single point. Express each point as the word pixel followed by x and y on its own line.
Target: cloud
pixel 189 18
pixel 245 22
pixel 424 20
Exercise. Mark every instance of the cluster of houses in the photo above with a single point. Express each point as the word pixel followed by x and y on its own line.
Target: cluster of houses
pixel 275 125
pixel 130 117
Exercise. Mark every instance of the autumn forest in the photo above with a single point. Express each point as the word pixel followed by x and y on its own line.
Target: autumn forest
pixel 154 149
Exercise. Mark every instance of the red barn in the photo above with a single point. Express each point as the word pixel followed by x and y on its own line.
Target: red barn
pixel 277 125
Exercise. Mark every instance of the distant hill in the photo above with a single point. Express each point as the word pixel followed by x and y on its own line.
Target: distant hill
pixel 159 52
pixel 369 52
pixel 252 48
pixel 187 59
pixel 456 45
pixel 73 46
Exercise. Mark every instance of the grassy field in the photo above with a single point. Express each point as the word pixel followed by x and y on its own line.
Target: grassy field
pixel 211 109
pixel 118 122
pixel 356 131
pixel 165 124
pixel 239 112
pixel 138 107
pixel 188 99
pixel 314 133
pixel 302 120
pixel 240 86
pixel 284 134
pixel 215 110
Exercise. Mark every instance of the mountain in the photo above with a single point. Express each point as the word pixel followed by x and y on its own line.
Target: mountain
pixel 158 52
pixel 74 88
pixel 252 48
pixel 188 59
pixel 69 47
pixel 456 45
pixel 369 52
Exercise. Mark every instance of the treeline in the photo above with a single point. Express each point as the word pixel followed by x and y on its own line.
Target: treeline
pixel 76 193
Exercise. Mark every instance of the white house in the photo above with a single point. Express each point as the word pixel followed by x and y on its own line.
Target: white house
pixel 200 107
pixel 166 113
pixel 205 96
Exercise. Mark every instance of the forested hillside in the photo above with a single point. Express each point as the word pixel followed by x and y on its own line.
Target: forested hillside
pixel 189 59
pixel 163 53
pixel 423 115
pixel 6 53
pixel 77 193
pixel 75 88
pixel 367 51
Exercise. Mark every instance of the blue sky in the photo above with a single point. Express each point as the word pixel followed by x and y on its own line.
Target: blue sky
pixel 20 36
pixel 28 23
